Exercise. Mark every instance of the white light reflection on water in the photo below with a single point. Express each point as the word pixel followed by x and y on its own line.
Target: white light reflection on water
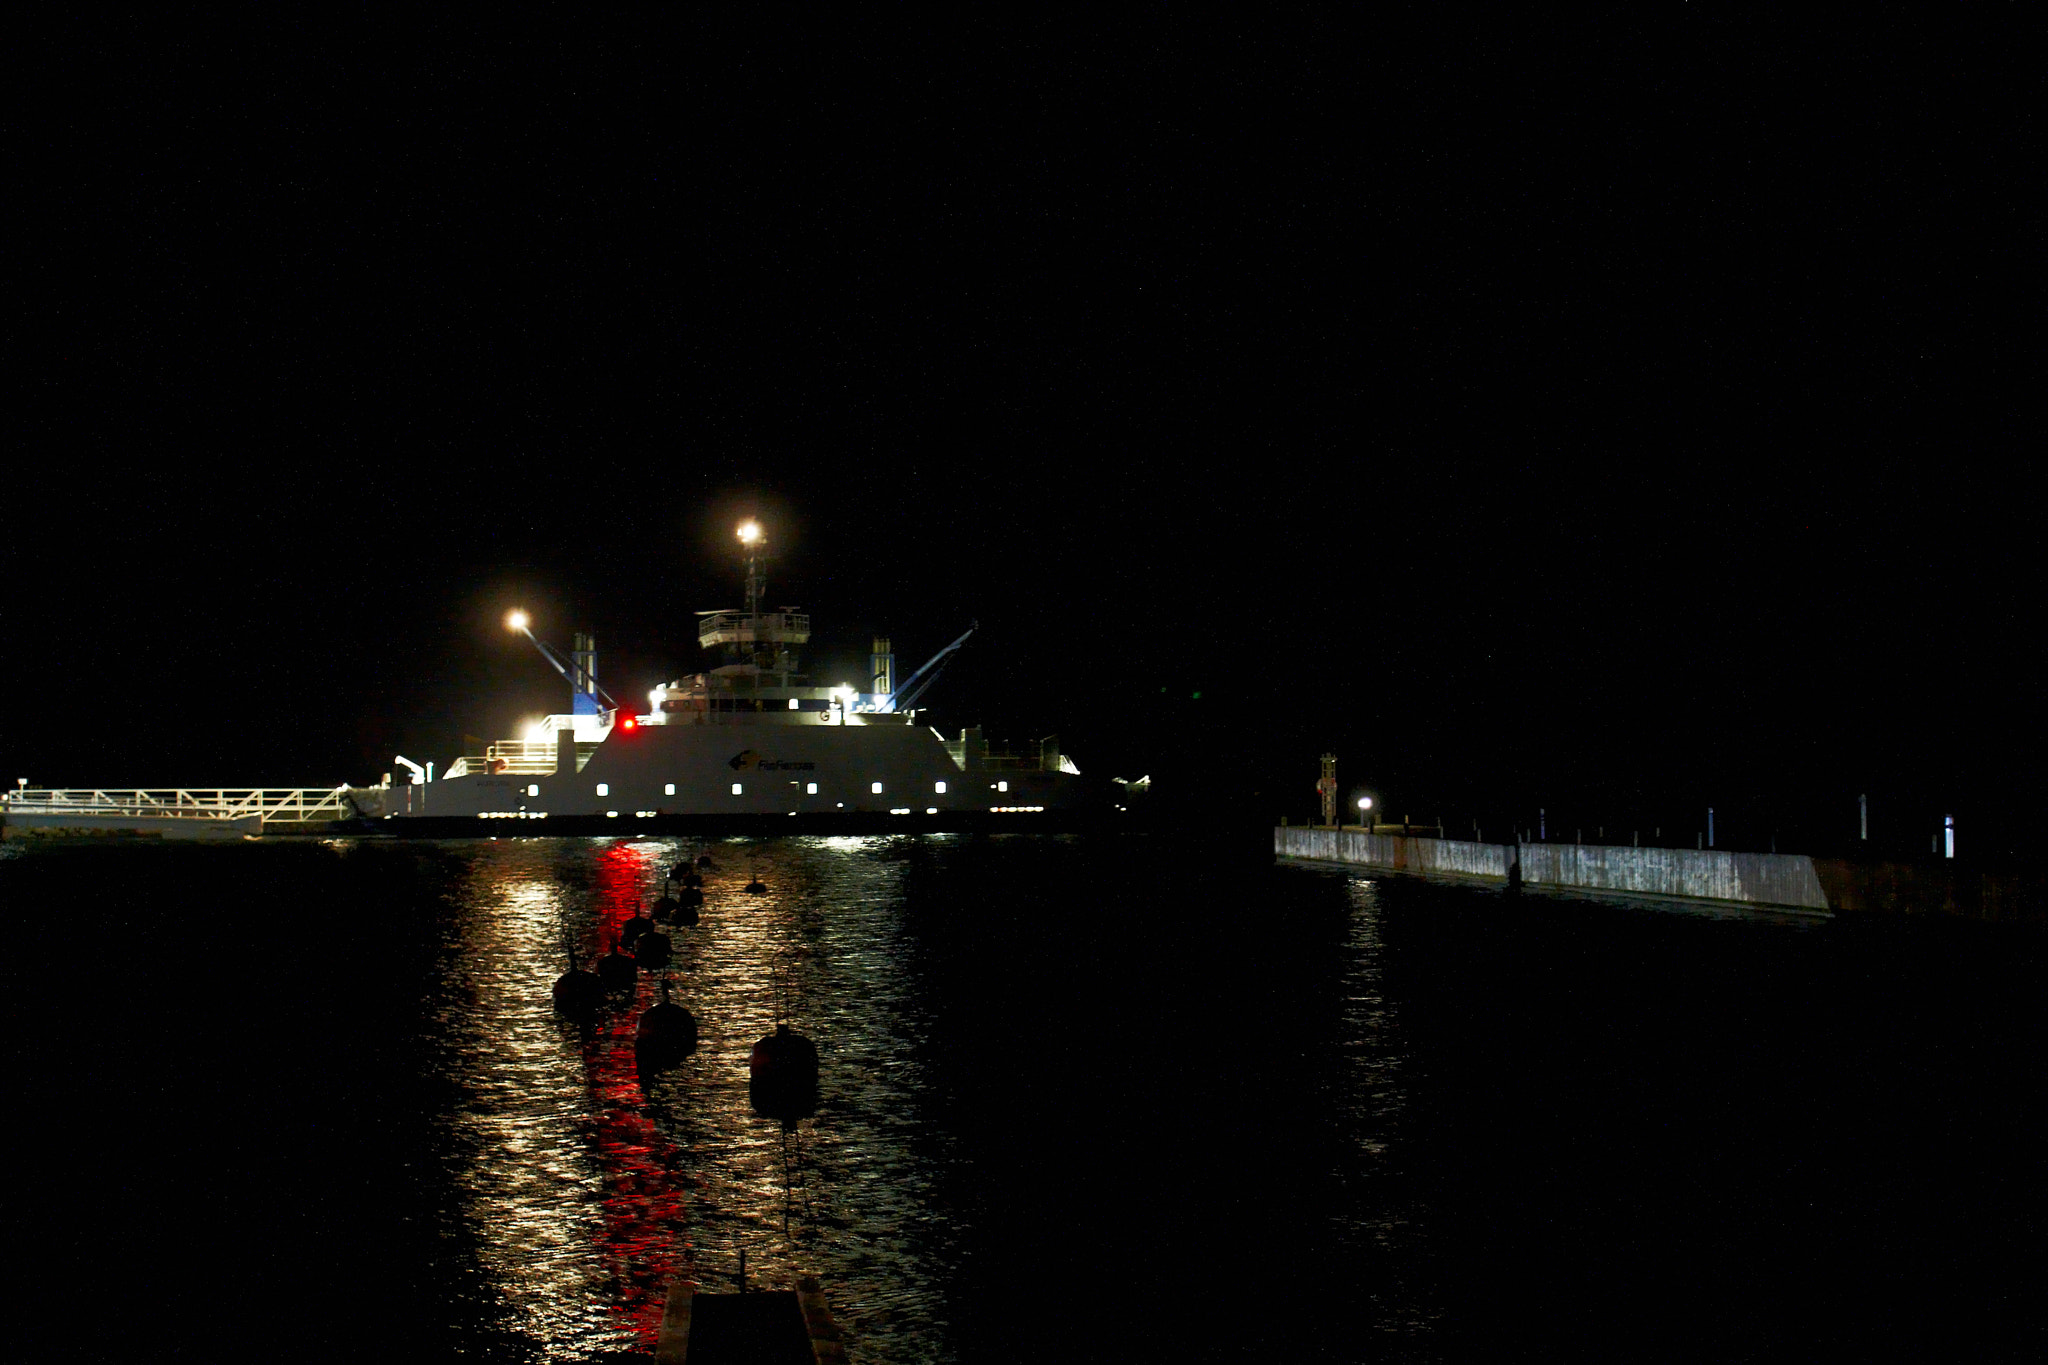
pixel 1371 1106
pixel 530 1189
pixel 590 1187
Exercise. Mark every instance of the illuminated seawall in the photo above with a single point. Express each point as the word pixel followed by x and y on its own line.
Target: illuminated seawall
pixel 1785 880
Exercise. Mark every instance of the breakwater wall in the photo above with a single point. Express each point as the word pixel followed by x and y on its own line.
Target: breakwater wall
pixel 1781 880
pixel 1936 888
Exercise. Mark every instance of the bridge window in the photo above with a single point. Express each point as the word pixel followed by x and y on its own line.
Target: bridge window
pixel 875 787
pixel 810 789
pixel 737 787
pixel 939 787
pixel 669 790
pixel 604 789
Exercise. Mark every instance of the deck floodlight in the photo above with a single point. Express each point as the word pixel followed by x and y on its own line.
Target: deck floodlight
pixel 749 532
pixel 517 620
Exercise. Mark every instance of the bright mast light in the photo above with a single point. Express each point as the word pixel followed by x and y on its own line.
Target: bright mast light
pixel 517 620
pixel 749 532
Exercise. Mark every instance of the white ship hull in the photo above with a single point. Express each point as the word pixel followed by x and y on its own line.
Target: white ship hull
pixel 738 774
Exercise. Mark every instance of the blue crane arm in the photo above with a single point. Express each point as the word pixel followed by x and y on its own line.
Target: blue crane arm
pixel 912 688
pixel 568 673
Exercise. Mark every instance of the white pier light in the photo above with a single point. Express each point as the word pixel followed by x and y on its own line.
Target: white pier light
pixel 517 620
pixel 749 532
pixel 1364 805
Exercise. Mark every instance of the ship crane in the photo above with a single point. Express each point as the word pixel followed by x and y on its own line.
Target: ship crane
pixel 906 696
pixel 581 675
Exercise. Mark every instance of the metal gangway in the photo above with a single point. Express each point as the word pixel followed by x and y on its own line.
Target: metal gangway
pixel 270 805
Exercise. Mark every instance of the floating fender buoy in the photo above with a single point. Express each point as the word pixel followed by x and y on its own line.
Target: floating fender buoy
pixel 665 909
pixel 686 912
pixel 616 970
pixel 691 881
pixel 757 888
pixel 652 950
pixel 784 1054
pixel 667 1032
pixel 682 871
pixel 578 991
pixel 704 860
pixel 782 1077
pixel 633 928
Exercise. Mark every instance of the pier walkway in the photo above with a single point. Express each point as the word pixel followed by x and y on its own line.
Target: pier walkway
pixel 188 812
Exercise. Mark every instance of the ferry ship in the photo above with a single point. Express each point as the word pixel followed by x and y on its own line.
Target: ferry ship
pixel 750 744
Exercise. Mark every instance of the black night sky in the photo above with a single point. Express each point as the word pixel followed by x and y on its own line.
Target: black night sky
pixel 1617 418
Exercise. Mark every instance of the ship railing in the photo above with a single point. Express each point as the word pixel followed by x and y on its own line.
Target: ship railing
pixel 274 805
pixel 484 765
pixel 523 751
pixel 736 627
pixel 512 757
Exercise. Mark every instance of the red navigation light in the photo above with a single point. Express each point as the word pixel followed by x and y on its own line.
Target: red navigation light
pixel 630 722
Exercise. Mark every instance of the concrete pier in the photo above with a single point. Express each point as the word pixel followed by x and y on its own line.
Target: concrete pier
pixel 758 1327
pixel 1785 881
pixel 44 825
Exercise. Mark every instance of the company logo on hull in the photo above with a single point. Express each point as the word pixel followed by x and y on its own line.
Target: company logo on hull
pixel 747 759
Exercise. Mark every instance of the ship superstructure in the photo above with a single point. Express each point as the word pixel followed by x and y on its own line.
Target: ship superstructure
pixel 749 742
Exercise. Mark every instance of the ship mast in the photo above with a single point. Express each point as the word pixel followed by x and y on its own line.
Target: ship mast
pixel 757 572
pixel 761 643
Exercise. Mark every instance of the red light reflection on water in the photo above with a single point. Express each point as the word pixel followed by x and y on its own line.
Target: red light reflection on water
pixel 645 1242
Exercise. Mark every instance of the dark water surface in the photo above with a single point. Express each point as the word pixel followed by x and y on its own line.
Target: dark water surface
pixel 1133 1099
